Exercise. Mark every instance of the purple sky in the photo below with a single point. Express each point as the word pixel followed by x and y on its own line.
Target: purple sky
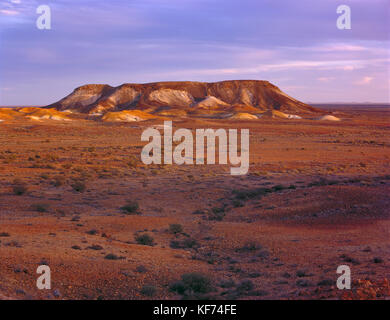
pixel 295 44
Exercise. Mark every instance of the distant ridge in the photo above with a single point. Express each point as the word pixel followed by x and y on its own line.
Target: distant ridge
pixel 183 97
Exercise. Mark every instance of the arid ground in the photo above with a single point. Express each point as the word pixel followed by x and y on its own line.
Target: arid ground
pixel 74 195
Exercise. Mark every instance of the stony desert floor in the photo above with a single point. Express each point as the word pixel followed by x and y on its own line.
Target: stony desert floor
pixel 75 196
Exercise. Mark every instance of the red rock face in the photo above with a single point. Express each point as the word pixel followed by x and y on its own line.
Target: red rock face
pixel 261 95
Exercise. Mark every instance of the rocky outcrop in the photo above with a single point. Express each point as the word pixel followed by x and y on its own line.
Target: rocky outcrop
pixel 127 116
pixel 211 102
pixel 160 97
pixel 33 113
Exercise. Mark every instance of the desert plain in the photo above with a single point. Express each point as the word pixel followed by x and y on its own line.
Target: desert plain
pixel 74 195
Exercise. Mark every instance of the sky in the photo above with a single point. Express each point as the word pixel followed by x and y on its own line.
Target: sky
pixel 295 44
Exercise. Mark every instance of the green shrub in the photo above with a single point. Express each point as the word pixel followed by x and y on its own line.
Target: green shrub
pixel 237 203
pixel 131 207
pixel 217 214
pixel 40 207
pixel 227 284
pixel 145 240
pixel 112 256
pixel 278 187
pixel 249 246
pixel 251 194
pixel 148 290
pixel 192 283
pixel 79 186
pixel 175 228
pixel 245 286
pixel 58 181
pixel 187 243
pixel 19 187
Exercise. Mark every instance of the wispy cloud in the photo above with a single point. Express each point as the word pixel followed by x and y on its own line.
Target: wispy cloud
pixel 9 12
pixel 338 47
pixel 365 81
pixel 325 79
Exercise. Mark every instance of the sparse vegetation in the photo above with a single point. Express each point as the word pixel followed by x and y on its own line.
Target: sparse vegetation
pixel 58 181
pixel 227 284
pixel 192 285
pixel 250 246
pixel 40 207
pixel 4 234
pixel 131 207
pixel 19 188
pixel 148 290
pixel 187 243
pixel 377 260
pixel 79 185
pixel 216 214
pixel 301 273
pixel 92 232
pixel 258 192
pixel 175 228
pixel 95 247
pixel 245 286
pixel 255 232
pixel 250 194
pixel 141 269
pixel 112 256
pixel 237 203
pixel 145 239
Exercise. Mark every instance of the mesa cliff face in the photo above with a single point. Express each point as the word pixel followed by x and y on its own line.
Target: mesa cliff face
pixel 253 96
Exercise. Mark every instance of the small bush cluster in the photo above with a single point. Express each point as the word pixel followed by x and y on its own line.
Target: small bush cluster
pixel 175 228
pixel 144 239
pixel 79 186
pixel 112 256
pixel 40 207
pixel 258 192
pixel 148 290
pixel 249 246
pixel 192 286
pixel 131 207
pixel 217 214
pixel 187 243
pixel 19 188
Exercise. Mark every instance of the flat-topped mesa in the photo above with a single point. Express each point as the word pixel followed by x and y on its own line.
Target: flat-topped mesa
pixel 256 95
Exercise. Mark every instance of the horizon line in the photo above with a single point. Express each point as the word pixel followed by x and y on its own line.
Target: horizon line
pixel 309 103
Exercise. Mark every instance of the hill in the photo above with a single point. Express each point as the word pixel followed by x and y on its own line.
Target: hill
pixel 184 98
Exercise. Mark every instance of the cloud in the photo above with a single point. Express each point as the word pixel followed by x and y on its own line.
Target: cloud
pixel 325 79
pixel 266 67
pixel 365 81
pixel 339 47
pixel 150 40
pixel 9 12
